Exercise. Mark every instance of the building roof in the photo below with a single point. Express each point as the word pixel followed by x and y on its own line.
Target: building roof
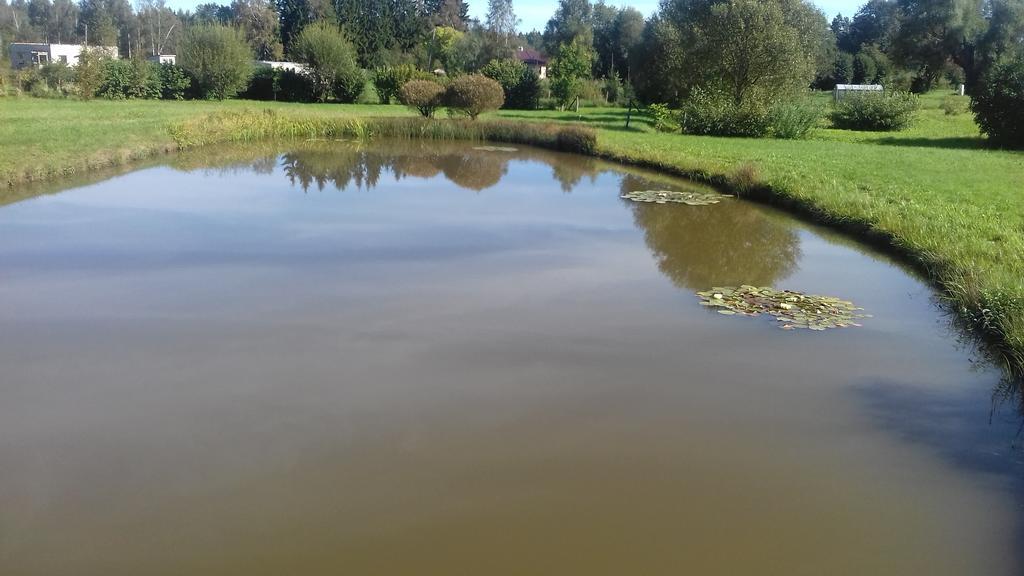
pixel 530 56
pixel 51 45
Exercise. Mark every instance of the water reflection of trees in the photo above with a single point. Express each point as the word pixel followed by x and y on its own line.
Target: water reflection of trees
pixel 339 167
pixel 729 243
pixel 476 170
pixel 227 160
pixel 570 169
pixel 342 167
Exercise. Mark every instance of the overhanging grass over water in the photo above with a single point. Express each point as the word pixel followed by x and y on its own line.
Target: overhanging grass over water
pixel 931 193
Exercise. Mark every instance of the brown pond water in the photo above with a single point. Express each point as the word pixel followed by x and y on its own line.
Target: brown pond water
pixel 429 359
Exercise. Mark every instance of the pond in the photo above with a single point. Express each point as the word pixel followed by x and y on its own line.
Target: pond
pixel 430 358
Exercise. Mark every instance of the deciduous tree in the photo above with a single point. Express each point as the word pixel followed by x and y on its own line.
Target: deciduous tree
pixel 259 23
pixel 217 58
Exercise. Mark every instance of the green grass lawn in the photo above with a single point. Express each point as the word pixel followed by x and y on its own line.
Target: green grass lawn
pixel 42 138
pixel 934 192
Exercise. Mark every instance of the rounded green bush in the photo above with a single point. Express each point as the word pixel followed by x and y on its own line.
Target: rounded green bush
pixel 424 96
pixel 998 104
pixel 473 95
pixel 875 112
pixel 712 113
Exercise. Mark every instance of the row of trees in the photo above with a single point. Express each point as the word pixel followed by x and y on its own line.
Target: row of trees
pixel 150 27
pixel 742 50
pixel 214 62
pixel 381 31
pixel 922 43
pixel 910 44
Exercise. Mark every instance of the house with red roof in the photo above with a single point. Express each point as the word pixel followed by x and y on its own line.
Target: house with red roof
pixel 533 60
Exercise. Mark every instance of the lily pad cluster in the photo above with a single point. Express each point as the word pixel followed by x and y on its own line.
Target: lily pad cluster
pixel 792 309
pixel 495 148
pixel 666 196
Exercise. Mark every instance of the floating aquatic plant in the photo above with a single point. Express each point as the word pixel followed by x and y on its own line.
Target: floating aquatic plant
pixel 792 309
pixel 495 148
pixel 665 196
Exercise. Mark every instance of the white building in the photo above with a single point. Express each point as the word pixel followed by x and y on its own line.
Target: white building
pixel 163 59
pixel 842 89
pixel 25 54
pixel 276 65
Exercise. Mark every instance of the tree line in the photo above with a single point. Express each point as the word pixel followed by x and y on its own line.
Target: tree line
pixel 732 50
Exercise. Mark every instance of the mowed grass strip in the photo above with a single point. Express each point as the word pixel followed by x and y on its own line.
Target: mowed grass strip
pixel 933 192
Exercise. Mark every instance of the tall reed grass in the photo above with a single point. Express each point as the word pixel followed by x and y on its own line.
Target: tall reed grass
pixel 252 126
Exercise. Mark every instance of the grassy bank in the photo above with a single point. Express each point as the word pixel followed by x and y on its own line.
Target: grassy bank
pixel 41 139
pixel 932 193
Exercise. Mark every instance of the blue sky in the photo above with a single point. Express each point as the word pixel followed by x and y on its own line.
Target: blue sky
pixel 535 13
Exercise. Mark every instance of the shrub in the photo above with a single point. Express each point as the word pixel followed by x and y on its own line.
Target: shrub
pixel 6 82
pixel 899 79
pixel 795 118
pixel 592 92
pixel 473 95
pixel 126 79
pixel 294 86
pixel 331 62
pixel 998 104
pixel 665 119
pixel 526 96
pixel 116 80
pixel 615 90
pixel 712 113
pixel 576 139
pixel 174 82
pixel 89 72
pixel 41 90
pixel 264 84
pixel 389 80
pixel 521 85
pixel 955 105
pixel 217 58
pixel 31 82
pixel 422 95
pixel 281 85
pixel 877 112
pixel 58 77
pixel 349 85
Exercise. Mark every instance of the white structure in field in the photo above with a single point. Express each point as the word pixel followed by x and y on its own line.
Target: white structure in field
pixel 842 89
pixel 274 65
pixel 163 59
pixel 25 54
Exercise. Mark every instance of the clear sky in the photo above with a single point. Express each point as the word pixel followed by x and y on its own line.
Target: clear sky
pixel 535 13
